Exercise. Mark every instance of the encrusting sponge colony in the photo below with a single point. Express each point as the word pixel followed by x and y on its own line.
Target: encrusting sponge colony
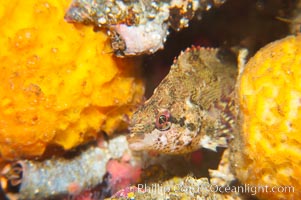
pixel 60 82
pixel 270 106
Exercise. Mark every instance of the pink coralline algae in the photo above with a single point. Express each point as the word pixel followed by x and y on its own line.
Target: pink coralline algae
pixel 122 174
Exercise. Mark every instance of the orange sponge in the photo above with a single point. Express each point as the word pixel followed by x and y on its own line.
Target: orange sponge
pixel 60 83
pixel 270 102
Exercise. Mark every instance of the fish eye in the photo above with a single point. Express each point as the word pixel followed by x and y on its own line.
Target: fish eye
pixel 163 120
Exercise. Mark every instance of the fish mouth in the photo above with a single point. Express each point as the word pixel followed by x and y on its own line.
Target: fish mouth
pixel 137 146
pixel 137 142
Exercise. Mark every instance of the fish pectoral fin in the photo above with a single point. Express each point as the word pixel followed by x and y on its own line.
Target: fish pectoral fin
pixel 212 143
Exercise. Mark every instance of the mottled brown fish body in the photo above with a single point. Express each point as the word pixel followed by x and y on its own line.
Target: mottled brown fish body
pixel 192 107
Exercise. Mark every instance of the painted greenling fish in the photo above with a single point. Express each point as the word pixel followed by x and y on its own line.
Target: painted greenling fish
pixel 193 106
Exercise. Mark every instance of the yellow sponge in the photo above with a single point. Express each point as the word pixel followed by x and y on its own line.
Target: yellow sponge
pixel 270 102
pixel 60 83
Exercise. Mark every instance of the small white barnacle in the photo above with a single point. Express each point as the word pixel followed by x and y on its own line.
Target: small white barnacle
pixel 102 20
pixel 107 10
